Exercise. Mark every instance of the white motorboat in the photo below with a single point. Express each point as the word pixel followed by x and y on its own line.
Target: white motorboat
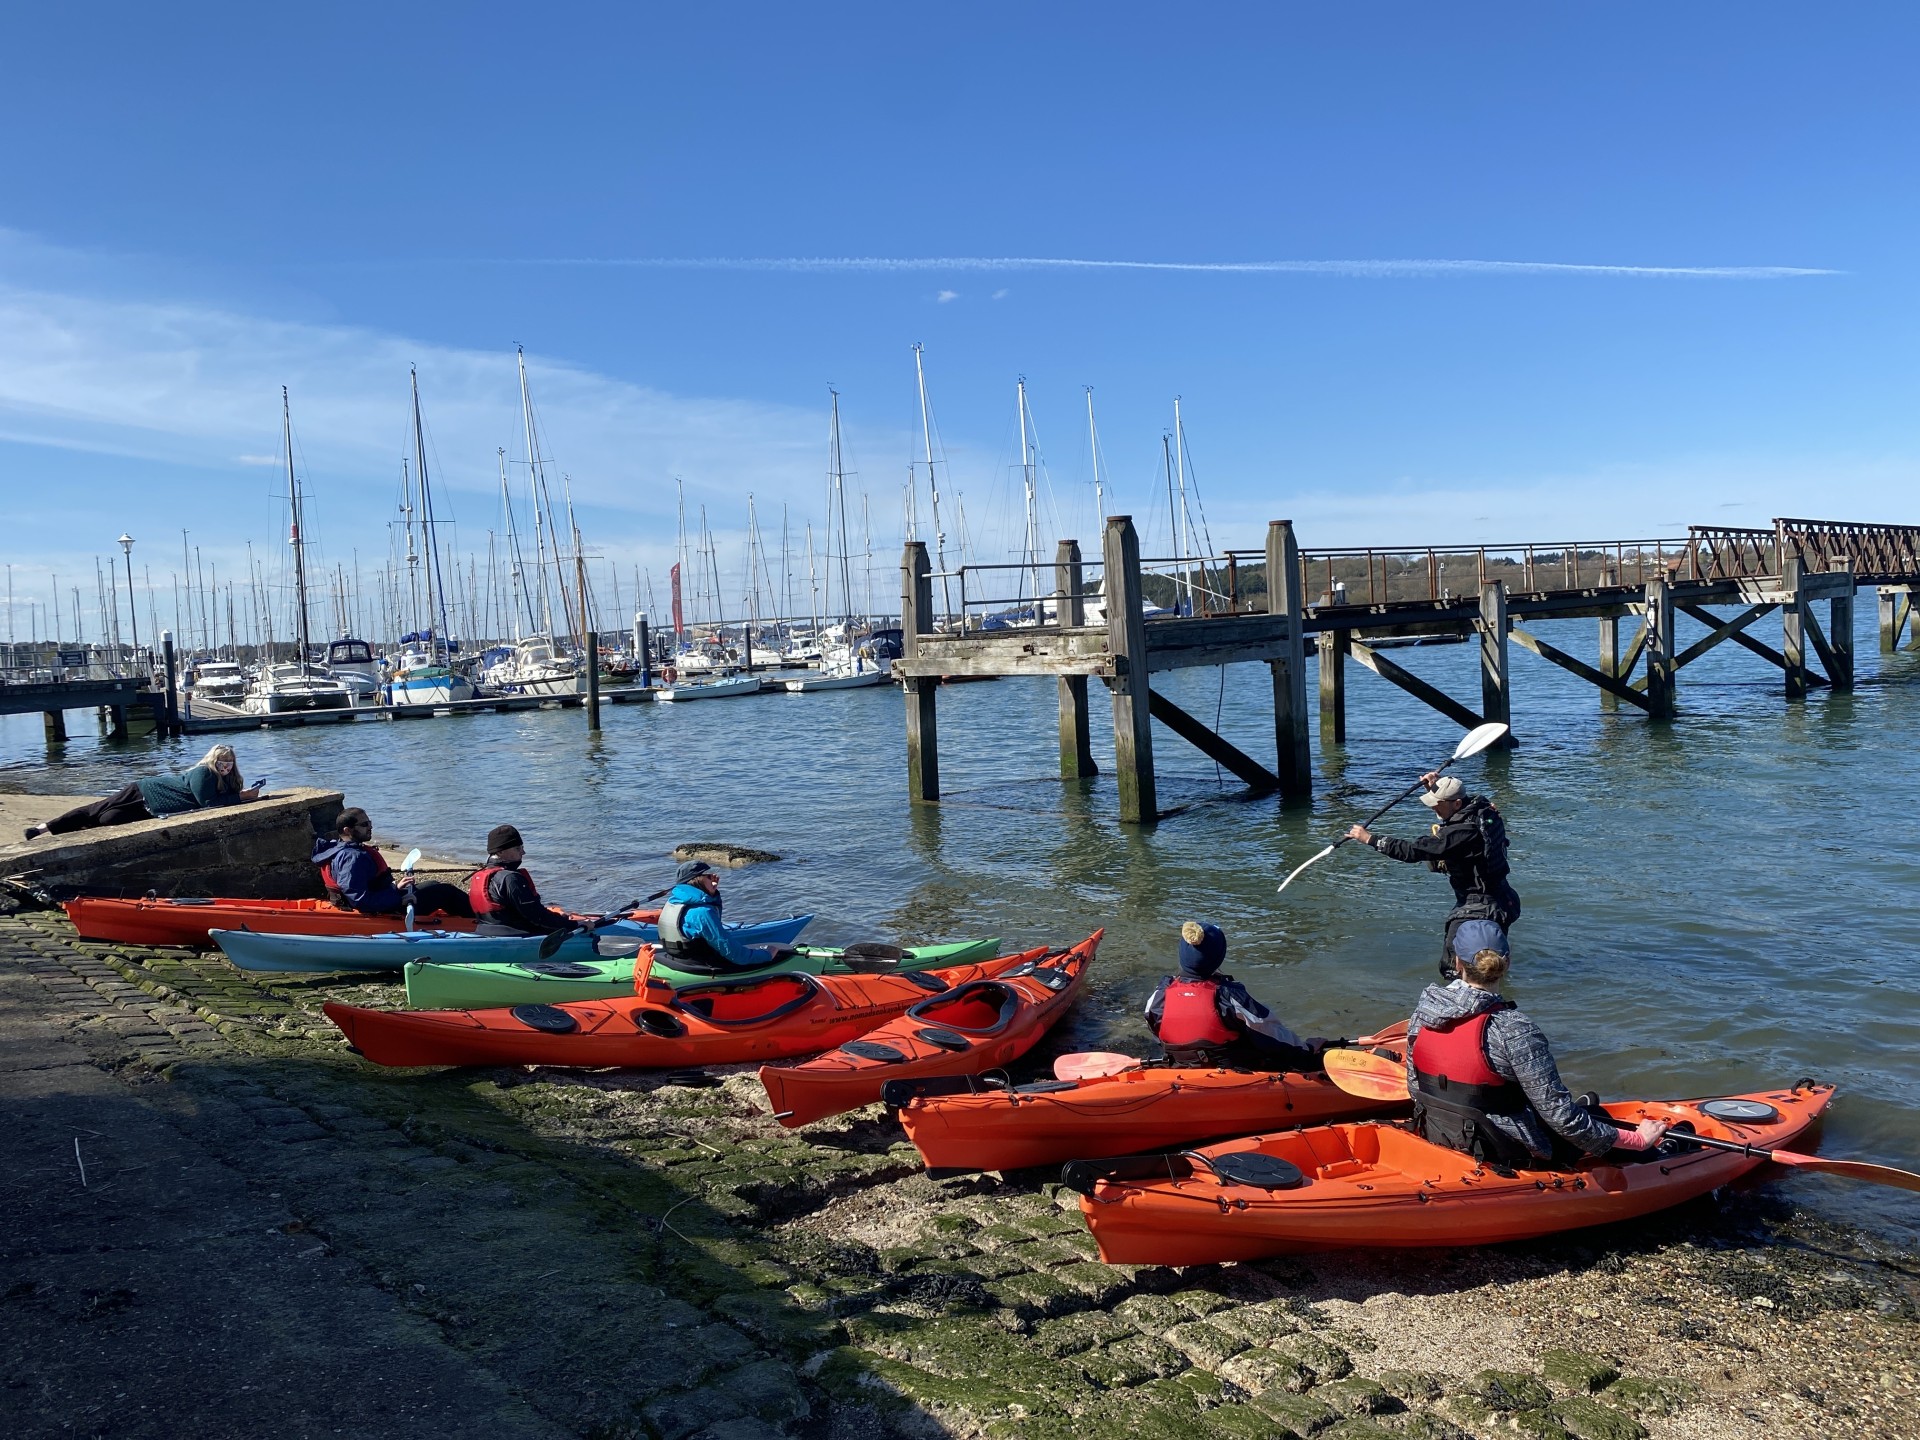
pixel 220 680
pixel 536 667
pixel 284 689
pixel 353 664
pixel 711 689
pixel 422 678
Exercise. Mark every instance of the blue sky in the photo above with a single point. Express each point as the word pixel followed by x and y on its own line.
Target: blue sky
pixel 212 204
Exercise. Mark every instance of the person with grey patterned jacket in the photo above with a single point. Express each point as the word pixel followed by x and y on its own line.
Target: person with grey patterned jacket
pixel 1484 1081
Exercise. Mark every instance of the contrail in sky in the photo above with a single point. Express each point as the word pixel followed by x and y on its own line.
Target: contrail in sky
pixel 1365 269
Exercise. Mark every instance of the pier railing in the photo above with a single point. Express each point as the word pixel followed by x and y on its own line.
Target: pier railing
pixel 52 663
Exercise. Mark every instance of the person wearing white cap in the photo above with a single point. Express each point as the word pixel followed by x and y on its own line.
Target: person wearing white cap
pixel 1468 845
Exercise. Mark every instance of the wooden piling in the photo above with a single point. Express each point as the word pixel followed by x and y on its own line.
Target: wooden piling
pixel 916 619
pixel 1609 657
pixel 1659 650
pixel 1894 606
pixel 593 681
pixel 116 718
pixel 1793 629
pixel 646 653
pixel 1840 629
pixel 1132 703
pixel 1076 743
pixel 1335 646
pixel 170 721
pixel 1289 672
pixel 56 723
pixel 1496 676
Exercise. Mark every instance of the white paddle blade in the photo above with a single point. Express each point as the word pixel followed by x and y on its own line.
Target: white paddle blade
pixel 1478 739
pixel 1296 874
pixel 413 859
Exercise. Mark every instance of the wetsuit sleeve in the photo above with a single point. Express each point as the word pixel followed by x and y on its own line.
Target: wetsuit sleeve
pixel 1240 1010
pixel 1424 847
pixel 1518 1049
pixel 1156 1007
pixel 704 922
pixel 358 878
pixel 524 911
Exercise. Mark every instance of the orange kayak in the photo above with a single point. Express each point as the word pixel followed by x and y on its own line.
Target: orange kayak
pixel 721 1023
pixel 966 1029
pixel 1151 1108
pixel 153 920
pixel 1373 1183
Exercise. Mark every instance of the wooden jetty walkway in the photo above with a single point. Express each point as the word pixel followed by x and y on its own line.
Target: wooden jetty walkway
pixel 1216 610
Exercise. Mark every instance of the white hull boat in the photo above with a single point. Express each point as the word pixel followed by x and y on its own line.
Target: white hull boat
pixel 807 684
pixel 711 689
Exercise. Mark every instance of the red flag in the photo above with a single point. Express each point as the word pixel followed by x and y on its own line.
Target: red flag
pixel 677 626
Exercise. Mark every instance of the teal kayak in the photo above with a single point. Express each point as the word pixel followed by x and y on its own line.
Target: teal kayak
pixel 314 954
pixel 452 985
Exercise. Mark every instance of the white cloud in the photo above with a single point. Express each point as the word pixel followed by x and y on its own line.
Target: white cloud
pixel 1000 294
pixel 273 460
pixel 945 296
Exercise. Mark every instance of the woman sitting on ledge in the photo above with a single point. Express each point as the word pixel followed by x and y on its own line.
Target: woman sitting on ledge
pixel 215 781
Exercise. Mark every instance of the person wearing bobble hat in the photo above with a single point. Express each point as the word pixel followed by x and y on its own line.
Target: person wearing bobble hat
pixel 1205 1018
pixel 1468 844
pixel 505 901
pixel 1482 1075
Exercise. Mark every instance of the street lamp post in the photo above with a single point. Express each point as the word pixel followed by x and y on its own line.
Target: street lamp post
pixel 133 609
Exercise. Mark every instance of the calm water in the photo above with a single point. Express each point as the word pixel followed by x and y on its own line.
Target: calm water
pixel 1722 904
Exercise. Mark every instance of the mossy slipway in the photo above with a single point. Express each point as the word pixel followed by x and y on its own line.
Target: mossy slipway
pixel 277 1239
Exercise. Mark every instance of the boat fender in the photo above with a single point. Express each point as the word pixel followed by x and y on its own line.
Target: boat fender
pixel 545 1018
pixel 659 1022
pixel 873 1050
pixel 559 969
pixel 1264 1172
pixel 928 982
pixel 944 1038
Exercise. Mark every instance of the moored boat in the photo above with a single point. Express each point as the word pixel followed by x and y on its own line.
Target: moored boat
pixel 1377 1184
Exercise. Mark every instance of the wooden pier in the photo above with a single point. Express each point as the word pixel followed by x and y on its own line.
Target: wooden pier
pixel 1215 610
pixel 214 718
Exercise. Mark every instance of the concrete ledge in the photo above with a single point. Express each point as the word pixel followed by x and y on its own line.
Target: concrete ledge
pixel 262 849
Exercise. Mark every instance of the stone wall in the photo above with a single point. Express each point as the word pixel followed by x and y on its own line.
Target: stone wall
pixel 262 849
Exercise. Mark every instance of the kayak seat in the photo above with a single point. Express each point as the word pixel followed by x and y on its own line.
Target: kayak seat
pixel 545 1018
pixel 943 1038
pixel 1339 1168
pixel 753 1003
pixel 980 1007
pixel 873 1050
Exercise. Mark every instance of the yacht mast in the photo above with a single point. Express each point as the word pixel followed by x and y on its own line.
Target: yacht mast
pixel 293 503
pixel 1031 544
pixel 533 495
pixel 680 504
pixel 513 552
pixel 1186 520
pixel 1093 443
pixel 837 500
pixel 933 484
pixel 436 587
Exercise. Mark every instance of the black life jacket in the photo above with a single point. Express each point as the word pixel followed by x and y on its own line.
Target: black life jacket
pixel 334 892
pixel 483 903
pixel 676 942
pixel 1456 1088
pixel 1190 1017
pixel 1485 869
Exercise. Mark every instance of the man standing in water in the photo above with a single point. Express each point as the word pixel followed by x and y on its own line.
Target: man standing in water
pixel 1469 846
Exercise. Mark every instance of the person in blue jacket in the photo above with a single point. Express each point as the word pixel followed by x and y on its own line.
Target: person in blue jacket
pixel 1205 1018
pixel 358 877
pixel 690 928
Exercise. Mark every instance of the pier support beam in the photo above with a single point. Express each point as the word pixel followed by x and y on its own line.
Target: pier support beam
pixel 1289 673
pixel 1215 747
pixel 1839 655
pixel 1896 608
pixel 1793 631
pixel 916 619
pixel 1659 648
pixel 1076 744
pixel 1496 679
pixel 56 721
pixel 116 718
pixel 1610 658
pixel 1335 646
pixel 593 679
pixel 1132 695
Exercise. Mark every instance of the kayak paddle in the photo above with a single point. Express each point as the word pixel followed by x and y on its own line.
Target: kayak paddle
pixel 550 946
pixel 1374 1077
pixel 1094 1065
pixel 1472 743
pixel 413 859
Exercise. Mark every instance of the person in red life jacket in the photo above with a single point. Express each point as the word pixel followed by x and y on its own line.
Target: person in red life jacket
pixel 503 896
pixel 1482 1076
pixel 1205 1018
pixel 357 876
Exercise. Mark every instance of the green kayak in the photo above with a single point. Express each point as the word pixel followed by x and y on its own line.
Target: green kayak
pixel 446 985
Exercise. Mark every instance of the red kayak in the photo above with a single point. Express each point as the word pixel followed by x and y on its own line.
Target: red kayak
pixel 156 921
pixel 722 1023
pixel 998 1127
pixel 965 1030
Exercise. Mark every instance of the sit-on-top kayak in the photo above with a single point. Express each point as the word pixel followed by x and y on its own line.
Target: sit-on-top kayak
pixel 451 985
pixel 318 953
pixel 967 1029
pixel 157 921
pixel 719 1023
pixel 969 1123
pixel 1374 1183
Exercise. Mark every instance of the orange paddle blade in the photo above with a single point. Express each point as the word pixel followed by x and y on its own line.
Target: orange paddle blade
pixel 1394 1034
pixel 1369 1076
pixel 1851 1169
pixel 1093 1065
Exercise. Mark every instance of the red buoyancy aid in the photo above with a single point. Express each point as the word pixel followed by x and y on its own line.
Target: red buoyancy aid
pixel 333 889
pixel 483 904
pixel 1190 1016
pixel 1450 1062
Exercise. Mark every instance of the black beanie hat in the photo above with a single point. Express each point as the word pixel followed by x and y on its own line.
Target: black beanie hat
pixel 502 837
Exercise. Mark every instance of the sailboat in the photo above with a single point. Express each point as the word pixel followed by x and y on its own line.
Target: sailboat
pixel 424 676
pixel 301 685
pixel 852 664
pixel 715 660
